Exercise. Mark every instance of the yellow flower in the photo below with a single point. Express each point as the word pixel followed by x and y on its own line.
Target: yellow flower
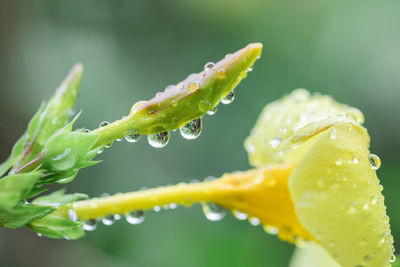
pixel 313 181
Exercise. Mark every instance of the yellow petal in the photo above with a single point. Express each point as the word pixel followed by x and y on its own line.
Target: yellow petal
pixel 284 126
pixel 336 193
pixel 338 198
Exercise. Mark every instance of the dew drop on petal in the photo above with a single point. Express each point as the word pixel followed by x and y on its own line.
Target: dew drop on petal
pixel 209 65
pixel 213 212
pixel 192 129
pixel 193 87
pixel 392 258
pixel 158 140
pixel 90 225
pixel 375 161
pixel 221 74
pixel 135 217
pixel 275 142
pixel 228 98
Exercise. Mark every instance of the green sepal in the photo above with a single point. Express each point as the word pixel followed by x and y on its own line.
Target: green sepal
pixel 51 116
pixel 58 227
pixel 55 226
pixel 23 214
pixel 68 151
pixel 16 154
pixel 15 188
pixel 58 198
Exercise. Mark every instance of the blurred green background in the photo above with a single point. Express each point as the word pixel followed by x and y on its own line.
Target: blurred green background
pixel 133 49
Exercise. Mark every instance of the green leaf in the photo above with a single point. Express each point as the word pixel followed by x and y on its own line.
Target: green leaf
pixel 58 227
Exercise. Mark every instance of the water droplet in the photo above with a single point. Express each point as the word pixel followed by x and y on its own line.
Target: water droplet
pixel 250 69
pixel 333 134
pixel 39 234
pixel 180 85
pixel 104 123
pixel 366 206
pixel 209 65
pixel 170 87
pixel 375 161
pixel 240 215
pixel 356 159
pixel 100 151
pixel 212 111
pixel 213 212
pixel 108 220
pixel 204 105
pixel 272 230
pixel 107 144
pixel 374 199
pixel 193 86
pixel 89 225
pixel 339 162
pixel 156 208
pixel 228 98
pixel 118 139
pixel 352 208
pixel 172 206
pixel 368 257
pixel 132 137
pixel 135 108
pixel 275 142
pixel 392 258
pixel 72 215
pixel 221 74
pixel 135 217
pixel 158 140
pixel 254 221
pixel 191 130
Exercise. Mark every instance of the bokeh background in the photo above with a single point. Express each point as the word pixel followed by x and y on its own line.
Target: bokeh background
pixel 133 49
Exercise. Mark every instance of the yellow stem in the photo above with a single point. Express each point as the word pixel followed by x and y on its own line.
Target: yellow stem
pixel 122 203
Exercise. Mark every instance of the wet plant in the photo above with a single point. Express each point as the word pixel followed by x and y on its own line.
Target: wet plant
pixel 313 181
